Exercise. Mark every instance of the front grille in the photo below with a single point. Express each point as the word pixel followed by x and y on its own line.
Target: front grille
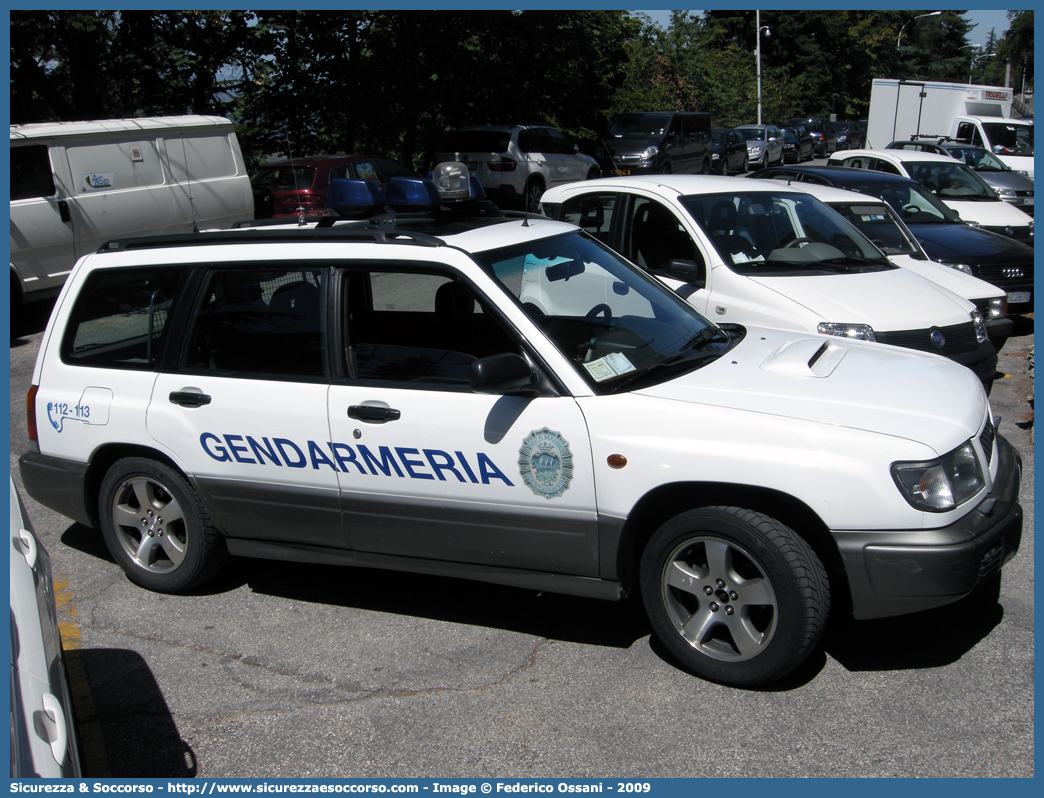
pixel 959 338
pixel 986 438
pixel 1008 276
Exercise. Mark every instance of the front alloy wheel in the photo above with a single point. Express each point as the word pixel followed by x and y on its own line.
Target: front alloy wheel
pixel 737 596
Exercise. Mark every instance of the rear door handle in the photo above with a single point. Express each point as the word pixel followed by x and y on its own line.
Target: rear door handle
pixel 189 398
pixel 373 413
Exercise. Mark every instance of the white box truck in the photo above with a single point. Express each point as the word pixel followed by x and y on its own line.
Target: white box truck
pixel 980 115
pixel 76 185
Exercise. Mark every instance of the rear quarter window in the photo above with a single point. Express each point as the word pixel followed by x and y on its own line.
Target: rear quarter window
pixel 120 318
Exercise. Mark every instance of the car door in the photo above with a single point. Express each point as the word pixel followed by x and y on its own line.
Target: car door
pixel 250 395
pixel 43 244
pixel 429 469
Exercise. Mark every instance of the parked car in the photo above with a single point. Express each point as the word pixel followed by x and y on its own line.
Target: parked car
pixel 767 254
pixel 764 144
pixel 918 145
pixel 653 142
pixel 952 181
pixel 946 239
pixel 43 732
pixel 849 135
pixel 879 222
pixel 728 152
pixel 822 131
pixel 516 163
pixel 300 185
pixel 509 400
pixel 797 144
pixel 1011 186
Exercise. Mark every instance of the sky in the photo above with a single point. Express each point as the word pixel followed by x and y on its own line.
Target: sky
pixel 984 20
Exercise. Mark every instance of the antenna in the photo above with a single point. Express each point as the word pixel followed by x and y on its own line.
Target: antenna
pixel 188 181
pixel 293 171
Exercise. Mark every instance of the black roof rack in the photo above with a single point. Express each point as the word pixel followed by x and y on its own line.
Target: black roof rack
pixel 258 235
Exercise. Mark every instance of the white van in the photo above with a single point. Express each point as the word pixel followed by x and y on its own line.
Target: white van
pixel 75 185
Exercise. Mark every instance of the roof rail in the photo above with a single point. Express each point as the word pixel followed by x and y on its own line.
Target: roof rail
pixel 257 235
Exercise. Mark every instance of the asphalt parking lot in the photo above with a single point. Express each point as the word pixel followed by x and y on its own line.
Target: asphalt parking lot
pixel 289 670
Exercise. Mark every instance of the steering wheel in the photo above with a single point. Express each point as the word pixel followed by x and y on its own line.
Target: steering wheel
pixel 797 242
pixel 601 309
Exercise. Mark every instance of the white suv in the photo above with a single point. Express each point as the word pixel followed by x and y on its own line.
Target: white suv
pixel 516 163
pixel 508 400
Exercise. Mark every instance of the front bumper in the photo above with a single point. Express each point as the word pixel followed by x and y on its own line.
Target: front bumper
pixel 899 572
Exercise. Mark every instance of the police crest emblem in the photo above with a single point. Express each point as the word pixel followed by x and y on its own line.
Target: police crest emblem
pixel 545 463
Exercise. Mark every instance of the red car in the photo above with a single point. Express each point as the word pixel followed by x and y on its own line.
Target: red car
pixel 283 188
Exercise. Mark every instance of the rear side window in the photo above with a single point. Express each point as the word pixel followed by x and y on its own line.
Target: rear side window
pixel 283 178
pixel 120 318
pixel 259 322
pixel 31 173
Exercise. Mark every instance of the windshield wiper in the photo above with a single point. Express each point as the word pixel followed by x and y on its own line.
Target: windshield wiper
pixel 684 356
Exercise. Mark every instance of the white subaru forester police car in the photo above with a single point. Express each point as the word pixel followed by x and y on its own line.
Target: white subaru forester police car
pixel 504 398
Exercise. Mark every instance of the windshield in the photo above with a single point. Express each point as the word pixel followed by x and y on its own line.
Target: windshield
pixel 979 159
pixel 842 127
pixel 912 200
pixel 1009 139
pixel 617 325
pixel 782 234
pixel 950 180
pixel 877 222
pixel 283 178
pixel 640 126
pixel 753 133
pixel 793 132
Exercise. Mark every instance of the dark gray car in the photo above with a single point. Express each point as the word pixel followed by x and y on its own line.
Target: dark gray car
pixel 1010 185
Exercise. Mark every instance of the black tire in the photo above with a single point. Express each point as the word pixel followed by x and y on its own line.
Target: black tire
pixel 169 555
pixel 531 197
pixel 746 165
pixel 738 597
pixel 593 173
pixel 666 168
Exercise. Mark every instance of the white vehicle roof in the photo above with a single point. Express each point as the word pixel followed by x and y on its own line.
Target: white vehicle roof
pixel 50 129
pixel 669 186
pixel 899 156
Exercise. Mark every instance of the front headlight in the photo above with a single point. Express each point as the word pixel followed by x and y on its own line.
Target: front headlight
pixel 649 153
pixel 1005 192
pixel 980 326
pixel 861 332
pixel 961 267
pixel 940 485
pixel 715 156
pixel 756 149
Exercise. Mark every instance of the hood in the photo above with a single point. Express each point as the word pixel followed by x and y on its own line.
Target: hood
pixel 1012 180
pixel 964 285
pixel 992 213
pixel 952 243
pixel 873 298
pixel 844 383
pixel 631 145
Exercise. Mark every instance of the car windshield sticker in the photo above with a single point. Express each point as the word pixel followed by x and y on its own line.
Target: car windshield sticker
pixel 545 462
pixel 605 368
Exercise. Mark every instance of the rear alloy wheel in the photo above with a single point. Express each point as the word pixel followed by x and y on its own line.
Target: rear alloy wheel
pixel 156 528
pixel 531 198
pixel 738 597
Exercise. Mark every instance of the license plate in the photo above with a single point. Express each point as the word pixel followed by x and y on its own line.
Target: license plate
pixel 1018 297
pixel 621 172
pixel 1028 201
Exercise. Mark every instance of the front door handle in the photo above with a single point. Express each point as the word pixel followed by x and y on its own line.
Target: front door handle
pixel 373 413
pixel 189 398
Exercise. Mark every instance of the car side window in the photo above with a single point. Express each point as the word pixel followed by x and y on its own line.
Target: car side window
pixel 879 165
pixel 120 318
pixel 558 143
pixel 593 213
pixel 656 236
pixel 417 328
pixel 259 322
pixel 31 173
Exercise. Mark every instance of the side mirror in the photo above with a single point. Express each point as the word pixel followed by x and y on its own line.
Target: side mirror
pixel 688 271
pixel 506 373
